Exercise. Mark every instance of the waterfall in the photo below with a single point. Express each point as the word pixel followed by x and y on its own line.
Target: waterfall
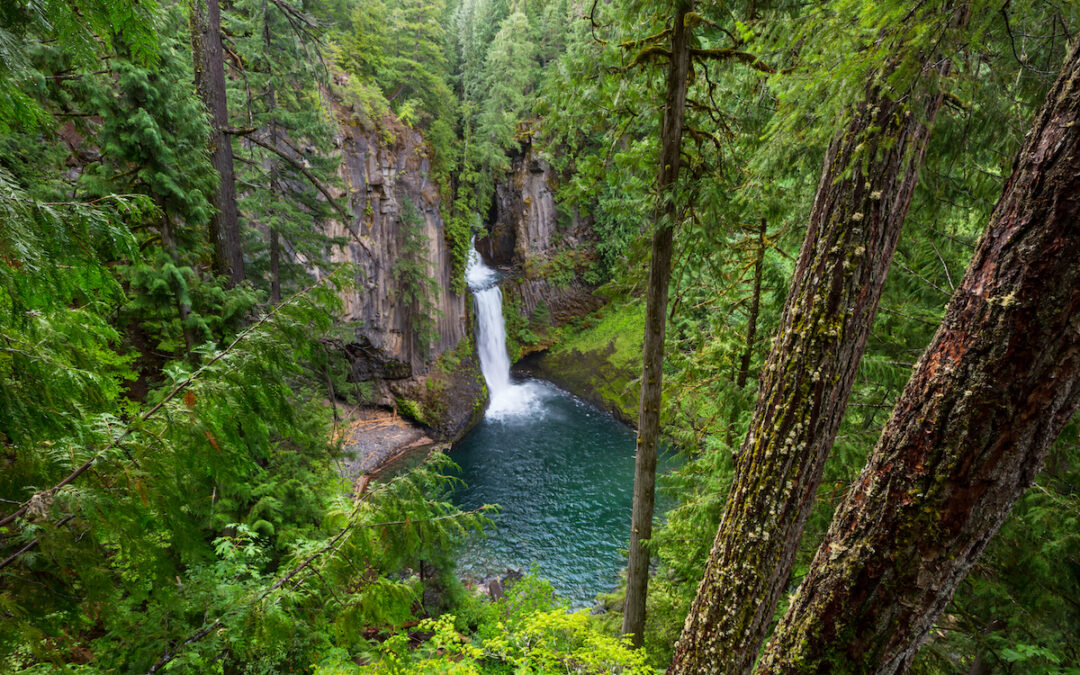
pixel 507 398
pixel 491 329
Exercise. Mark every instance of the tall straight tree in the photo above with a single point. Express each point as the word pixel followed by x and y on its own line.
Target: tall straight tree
pixel 271 105
pixel 970 432
pixel 210 83
pixel 869 175
pixel 655 319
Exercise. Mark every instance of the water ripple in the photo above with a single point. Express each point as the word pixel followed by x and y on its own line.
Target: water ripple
pixel 563 474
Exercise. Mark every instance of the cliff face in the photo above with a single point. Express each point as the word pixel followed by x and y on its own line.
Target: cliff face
pixel 544 248
pixel 525 217
pixel 427 373
pixel 381 177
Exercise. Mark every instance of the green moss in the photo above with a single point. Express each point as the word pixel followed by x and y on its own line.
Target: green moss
pixel 620 326
pixel 410 409
pixel 599 357
pixel 518 334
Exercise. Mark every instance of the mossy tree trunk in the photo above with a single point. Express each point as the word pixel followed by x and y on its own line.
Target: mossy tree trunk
pixel 869 174
pixel 206 47
pixel 970 432
pixel 655 319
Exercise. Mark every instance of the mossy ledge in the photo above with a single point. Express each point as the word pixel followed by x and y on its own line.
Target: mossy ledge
pixel 597 357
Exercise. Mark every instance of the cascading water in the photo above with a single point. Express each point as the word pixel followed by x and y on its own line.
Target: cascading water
pixel 561 471
pixel 507 398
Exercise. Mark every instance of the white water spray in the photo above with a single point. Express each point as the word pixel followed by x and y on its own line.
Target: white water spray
pixel 507 399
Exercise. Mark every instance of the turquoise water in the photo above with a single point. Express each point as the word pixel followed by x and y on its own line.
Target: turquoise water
pixel 562 472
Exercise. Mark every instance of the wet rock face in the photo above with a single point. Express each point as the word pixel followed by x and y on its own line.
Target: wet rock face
pixel 381 177
pixel 383 172
pixel 371 363
pixel 523 219
pixel 525 234
pixel 450 398
pixel 563 302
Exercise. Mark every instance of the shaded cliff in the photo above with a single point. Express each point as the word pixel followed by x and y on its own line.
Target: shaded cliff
pixel 409 354
pixel 382 178
pixel 545 250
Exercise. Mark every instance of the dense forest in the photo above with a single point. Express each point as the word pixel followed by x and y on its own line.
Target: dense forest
pixel 825 252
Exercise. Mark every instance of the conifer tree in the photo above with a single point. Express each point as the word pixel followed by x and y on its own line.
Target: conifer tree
pixel 507 79
pixel 866 186
pixel 289 174
pixel 648 435
pixel 987 399
pixel 413 72
pixel 209 58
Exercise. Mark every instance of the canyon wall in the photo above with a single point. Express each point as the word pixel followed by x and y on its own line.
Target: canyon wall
pixel 380 178
pixel 544 251
pixel 416 358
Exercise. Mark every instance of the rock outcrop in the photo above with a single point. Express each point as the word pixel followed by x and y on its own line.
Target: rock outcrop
pixel 381 178
pixel 402 350
pixel 524 217
pixel 544 248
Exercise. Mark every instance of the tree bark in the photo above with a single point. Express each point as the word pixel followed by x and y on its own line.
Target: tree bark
pixel 271 105
pixel 970 432
pixel 208 54
pixel 869 174
pixel 637 574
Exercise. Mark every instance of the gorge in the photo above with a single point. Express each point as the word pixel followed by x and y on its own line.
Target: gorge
pixel 292 292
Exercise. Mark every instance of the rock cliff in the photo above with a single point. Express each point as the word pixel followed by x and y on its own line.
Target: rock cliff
pixel 381 177
pixel 399 347
pixel 544 248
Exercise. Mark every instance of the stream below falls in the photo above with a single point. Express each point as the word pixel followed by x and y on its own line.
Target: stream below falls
pixel 561 471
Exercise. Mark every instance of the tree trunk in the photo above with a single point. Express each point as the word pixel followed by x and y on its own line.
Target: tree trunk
pixel 271 106
pixel 210 84
pixel 970 432
pixel 869 174
pixel 655 318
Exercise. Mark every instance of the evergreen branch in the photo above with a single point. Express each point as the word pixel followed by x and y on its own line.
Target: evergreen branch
pixel 929 283
pixel 319 185
pixel 228 47
pixel 897 312
pixel 702 136
pixel 34 542
pixel 1012 43
pixel 744 57
pixel 300 22
pixel 692 20
pixel 955 101
pixel 307 174
pixel 945 266
pixel 647 54
pixel 180 387
pixel 657 37
pixel 307 562
pixel 593 25
pixel 203 632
